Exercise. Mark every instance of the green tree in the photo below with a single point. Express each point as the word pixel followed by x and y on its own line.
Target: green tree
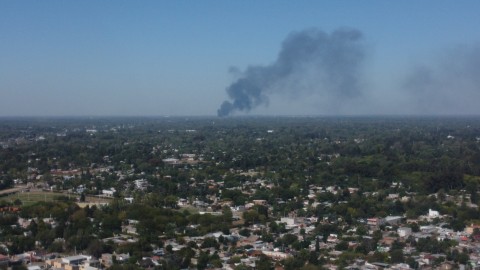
pixel 396 256
pixel 202 261
pixel 264 263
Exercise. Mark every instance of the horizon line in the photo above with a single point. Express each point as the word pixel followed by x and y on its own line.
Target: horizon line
pixel 240 116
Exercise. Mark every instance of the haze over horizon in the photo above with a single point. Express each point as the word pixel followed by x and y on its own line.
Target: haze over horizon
pixel 88 58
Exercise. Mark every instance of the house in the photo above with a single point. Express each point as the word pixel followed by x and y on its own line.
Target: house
pixel 400 266
pixel 332 238
pixel 276 254
pixel 433 213
pixel 131 227
pixel 287 221
pixel 74 260
pixel 404 231
pixel 108 192
pixel 141 184
pixel 393 220
pixel 171 161
pixel 388 240
pixel 182 202
pixel 469 229
pixel 90 264
pixel 446 266
pixel 375 222
pixel 260 202
pixel 106 259
pixel 68 263
pixel 146 263
pixel 381 265
pixel 189 157
pixel 393 196
pixel 428 229
pixel 129 199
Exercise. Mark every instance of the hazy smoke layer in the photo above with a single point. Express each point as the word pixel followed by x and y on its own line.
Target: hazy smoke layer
pixel 310 62
pixel 448 85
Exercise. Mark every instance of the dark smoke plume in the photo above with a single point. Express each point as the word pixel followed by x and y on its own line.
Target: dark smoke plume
pixel 310 62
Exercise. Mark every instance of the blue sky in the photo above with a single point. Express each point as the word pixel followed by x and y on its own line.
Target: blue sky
pixel 173 57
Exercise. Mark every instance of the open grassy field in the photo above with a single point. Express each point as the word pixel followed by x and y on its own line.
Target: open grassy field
pixel 32 197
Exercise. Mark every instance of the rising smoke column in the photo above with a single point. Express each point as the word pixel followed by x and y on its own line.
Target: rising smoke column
pixel 309 62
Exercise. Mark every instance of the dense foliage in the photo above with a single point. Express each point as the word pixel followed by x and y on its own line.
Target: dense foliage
pixel 218 160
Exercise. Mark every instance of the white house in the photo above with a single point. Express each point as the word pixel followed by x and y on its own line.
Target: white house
pixel 404 231
pixel 108 192
pixel 288 221
pixel 276 254
pixel 393 220
pixel 433 213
